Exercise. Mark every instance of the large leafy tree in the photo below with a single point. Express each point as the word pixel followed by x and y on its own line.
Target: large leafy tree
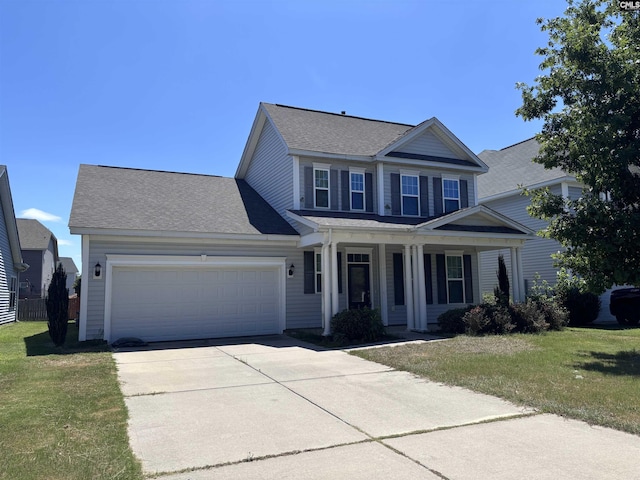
pixel 588 97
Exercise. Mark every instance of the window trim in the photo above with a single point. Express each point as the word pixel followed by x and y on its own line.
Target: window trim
pixel 454 254
pixel 416 175
pixel 317 270
pixel 361 172
pixel 316 188
pixel 452 178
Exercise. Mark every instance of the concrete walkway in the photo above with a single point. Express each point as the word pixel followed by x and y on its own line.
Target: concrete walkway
pixel 274 408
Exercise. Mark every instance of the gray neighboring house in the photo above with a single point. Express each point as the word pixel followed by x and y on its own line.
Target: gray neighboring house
pixel 39 250
pixel 325 212
pixel 11 262
pixel 71 270
pixel 500 189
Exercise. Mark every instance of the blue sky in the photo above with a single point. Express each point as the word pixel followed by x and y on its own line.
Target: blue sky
pixel 175 84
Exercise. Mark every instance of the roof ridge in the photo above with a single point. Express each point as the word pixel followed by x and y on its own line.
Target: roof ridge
pixel 161 171
pixel 345 115
pixel 516 144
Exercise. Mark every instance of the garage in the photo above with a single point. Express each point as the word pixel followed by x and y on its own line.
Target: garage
pixel 215 297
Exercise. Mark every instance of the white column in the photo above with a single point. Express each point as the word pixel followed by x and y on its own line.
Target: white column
pixel 335 305
pixel 515 283
pixel 408 287
pixel 382 273
pixel 326 288
pixel 416 287
pixel 380 187
pixel 422 297
pixel 523 292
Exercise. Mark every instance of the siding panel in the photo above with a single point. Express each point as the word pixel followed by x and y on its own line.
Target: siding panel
pixel 428 144
pixel 7 271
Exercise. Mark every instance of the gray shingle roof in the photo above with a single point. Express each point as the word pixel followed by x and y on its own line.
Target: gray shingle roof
pixel 33 235
pixel 513 166
pixel 69 265
pixel 333 133
pixel 149 200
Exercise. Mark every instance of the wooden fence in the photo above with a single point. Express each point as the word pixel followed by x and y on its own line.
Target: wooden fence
pixel 35 309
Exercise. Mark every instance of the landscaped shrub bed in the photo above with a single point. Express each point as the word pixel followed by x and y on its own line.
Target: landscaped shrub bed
pixel 357 326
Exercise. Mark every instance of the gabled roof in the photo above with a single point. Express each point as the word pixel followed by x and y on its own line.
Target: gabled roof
pixel 34 235
pixel 152 202
pixel 6 201
pixel 317 133
pixel 513 167
pixel 69 265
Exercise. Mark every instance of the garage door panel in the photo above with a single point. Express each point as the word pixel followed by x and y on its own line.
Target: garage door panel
pixel 165 303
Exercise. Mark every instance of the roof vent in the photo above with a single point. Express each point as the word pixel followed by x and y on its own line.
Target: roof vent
pixel 343 112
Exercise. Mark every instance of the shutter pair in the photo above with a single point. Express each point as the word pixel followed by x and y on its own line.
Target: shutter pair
pixel 398 278
pixel 333 190
pixel 396 195
pixel 441 273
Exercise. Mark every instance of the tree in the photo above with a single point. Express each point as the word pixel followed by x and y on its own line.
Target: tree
pixel 588 98
pixel 58 306
pixel 77 285
pixel 501 292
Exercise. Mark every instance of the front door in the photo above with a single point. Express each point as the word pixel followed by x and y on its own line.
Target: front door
pixel 359 286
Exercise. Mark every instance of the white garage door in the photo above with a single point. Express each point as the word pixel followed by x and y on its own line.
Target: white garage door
pixel 177 303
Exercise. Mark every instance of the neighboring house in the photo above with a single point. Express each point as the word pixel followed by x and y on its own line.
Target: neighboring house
pixel 40 251
pixel 11 262
pixel 71 270
pixel 326 212
pixel 500 189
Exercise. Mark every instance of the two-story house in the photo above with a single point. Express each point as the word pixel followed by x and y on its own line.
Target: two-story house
pixel 40 251
pixel 325 212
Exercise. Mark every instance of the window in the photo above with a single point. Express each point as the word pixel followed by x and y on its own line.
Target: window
pixel 318 272
pixel 455 279
pixel 12 293
pixel 321 187
pixel 410 195
pixel 451 194
pixel 357 191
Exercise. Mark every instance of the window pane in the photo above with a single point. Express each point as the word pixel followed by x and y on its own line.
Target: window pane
pixel 451 206
pixel 454 267
pixel 410 205
pixel 357 201
pixel 322 198
pixel 322 178
pixel 450 188
pixel 318 283
pixel 409 185
pixel 318 262
pixel 357 182
pixel 455 291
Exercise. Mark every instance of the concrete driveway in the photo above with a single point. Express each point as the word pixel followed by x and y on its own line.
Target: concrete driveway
pixel 275 408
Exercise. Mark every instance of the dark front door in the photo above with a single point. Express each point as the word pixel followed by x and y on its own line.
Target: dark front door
pixel 359 287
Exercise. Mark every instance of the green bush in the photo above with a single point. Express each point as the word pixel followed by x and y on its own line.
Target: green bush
pixel 529 317
pixel 363 325
pixel 488 319
pixel 57 303
pixel 451 320
pixel 554 314
pixel 583 307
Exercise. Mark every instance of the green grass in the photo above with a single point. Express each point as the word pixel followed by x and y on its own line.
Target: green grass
pixel 62 415
pixel 586 374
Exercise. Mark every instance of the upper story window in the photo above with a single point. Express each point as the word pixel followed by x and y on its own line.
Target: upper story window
pixel 451 194
pixel 455 279
pixel 410 192
pixel 357 190
pixel 321 187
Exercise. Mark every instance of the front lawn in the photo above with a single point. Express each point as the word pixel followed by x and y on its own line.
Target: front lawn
pixel 62 415
pixel 586 374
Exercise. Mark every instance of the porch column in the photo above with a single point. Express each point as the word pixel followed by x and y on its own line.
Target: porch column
pixel 382 273
pixel 380 185
pixel 408 287
pixel 422 289
pixel 523 292
pixel 326 288
pixel 416 288
pixel 335 305
pixel 515 282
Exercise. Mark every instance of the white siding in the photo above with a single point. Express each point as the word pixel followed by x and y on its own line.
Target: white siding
pixel 270 172
pixel 7 271
pixel 428 144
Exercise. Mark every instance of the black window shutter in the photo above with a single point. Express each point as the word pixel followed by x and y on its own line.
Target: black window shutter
pixel 437 196
pixel 339 272
pixel 468 279
pixel 441 279
pixel 424 196
pixel 395 196
pixel 344 178
pixel 464 194
pixel 368 191
pixel 333 189
pixel 427 278
pixel 398 279
pixel 308 187
pixel 309 272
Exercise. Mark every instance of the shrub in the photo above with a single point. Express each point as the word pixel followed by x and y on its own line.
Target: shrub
pixel 555 314
pixel 363 325
pixel 57 302
pixel 583 307
pixel 488 319
pixel 529 317
pixel 451 320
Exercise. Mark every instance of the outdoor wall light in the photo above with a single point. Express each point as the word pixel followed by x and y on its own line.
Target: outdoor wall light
pixel 291 270
pixel 97 271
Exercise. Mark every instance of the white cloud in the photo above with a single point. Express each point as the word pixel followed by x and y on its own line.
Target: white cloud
pixel 36 214
pixel 65 243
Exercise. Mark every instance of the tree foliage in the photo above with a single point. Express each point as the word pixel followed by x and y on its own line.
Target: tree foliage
pixel 58 306
pixel 501 291
pixel 588 97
